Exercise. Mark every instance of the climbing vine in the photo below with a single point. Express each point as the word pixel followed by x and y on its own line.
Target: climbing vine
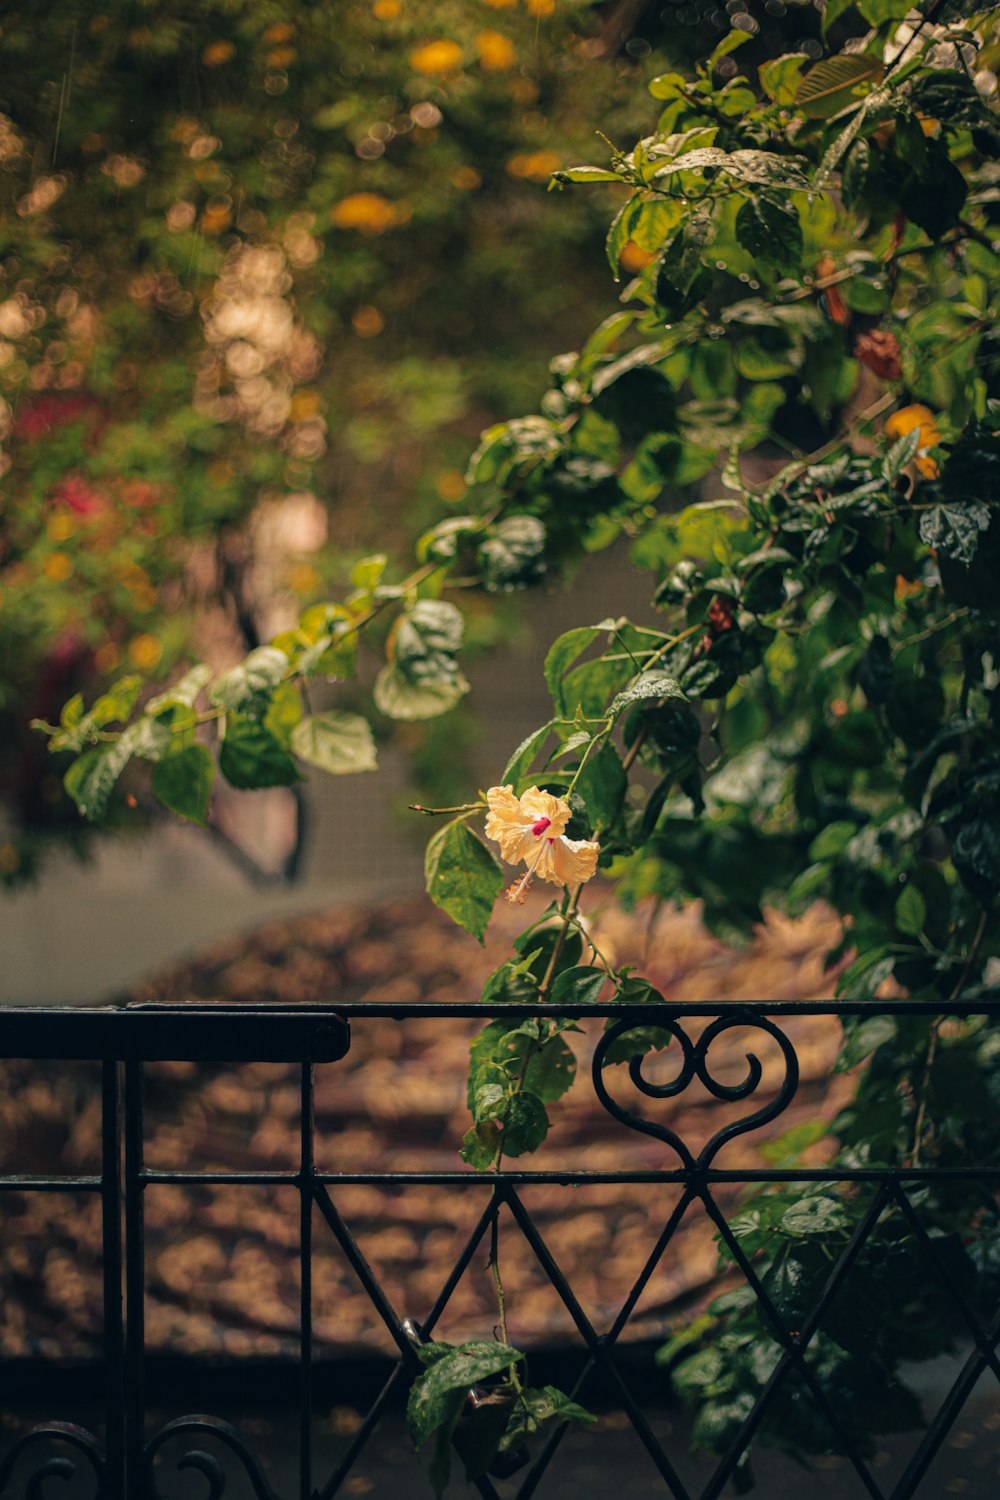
pixel 793 420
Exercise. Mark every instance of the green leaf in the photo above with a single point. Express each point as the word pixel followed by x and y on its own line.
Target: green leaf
pixel 252 680
pixel 114 706
pixel 251 757
pixel 770 233
pixel 862 1040
pixel 425 641
pixel 668 86
pixel 480 1145
pixel 367 571
pixel 780 77
pixel 832 83
pixel 581 985
pixel 602 784
pixel 551 1068
pixel 585 174
pixel 550 1402
pixel 862 978
pixel 976 856
pixel 91 778
pixel 283 712
pixel 488 1102
pixel 525 753
pixel 463 878
pixel 763 168
pixel 184 693
pixel 655 221
pixel 953 530
pixel 513 554
pixel 562 653
pixel 833 10
pixel 512 983
pixel 621 232
pixel 832 840
pixel 911 911
pixel 338 742
pixel 814 1216
pixel 652 684
pixel 877 12
pixel 182 782
pixel 465 1366
pixel 398 698
pixel 526 1124
pixel 729 43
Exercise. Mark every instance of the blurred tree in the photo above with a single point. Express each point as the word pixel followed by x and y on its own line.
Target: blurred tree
pixel 261 266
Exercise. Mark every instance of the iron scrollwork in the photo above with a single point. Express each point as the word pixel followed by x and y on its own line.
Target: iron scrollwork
pixel 694 1063
pixel 55 1466
pixel 204 1463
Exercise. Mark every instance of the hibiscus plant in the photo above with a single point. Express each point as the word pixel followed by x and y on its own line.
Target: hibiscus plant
pixel 793 420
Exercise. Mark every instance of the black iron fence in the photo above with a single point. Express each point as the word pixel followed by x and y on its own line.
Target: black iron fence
pixel 126 1460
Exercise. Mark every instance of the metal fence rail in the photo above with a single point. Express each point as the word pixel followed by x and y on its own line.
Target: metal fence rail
pixel 124 1463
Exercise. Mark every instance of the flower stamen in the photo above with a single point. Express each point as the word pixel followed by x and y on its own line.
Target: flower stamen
pixel 519 890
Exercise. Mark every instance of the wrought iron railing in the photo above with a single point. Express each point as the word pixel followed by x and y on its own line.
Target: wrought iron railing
pixel 125 1461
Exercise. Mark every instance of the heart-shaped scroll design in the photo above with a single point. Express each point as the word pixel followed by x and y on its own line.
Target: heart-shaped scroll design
pixel 695 1064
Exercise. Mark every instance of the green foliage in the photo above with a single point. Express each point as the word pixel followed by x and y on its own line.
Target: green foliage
pixel 809 273
pixel 463 878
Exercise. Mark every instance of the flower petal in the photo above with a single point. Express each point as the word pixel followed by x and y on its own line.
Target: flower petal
pixel 569 861
pixel 536 805
pixel 511 820
pixel 506 824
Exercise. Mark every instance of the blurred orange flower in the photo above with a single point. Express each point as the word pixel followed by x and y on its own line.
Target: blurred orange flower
pixel 496 51
pixel 369 212
pixel 917 418
pixel 437 57
pixel 536 165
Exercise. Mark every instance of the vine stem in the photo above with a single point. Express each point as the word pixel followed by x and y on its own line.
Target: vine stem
pixel 440 812
pixel 932 1045
pixel 568 914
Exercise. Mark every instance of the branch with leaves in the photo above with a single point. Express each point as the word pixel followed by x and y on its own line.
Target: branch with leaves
pixel 809 287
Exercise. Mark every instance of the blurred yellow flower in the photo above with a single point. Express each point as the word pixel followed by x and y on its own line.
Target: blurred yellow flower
pixel 466 178
pixel 107 657
pixel 531 828
pixel 217 53
pixel 536 165
pixel 437 57
pixel 60 528
pixel 281 57
pixel 540 7
pixel 634 257
pixel 145 652
pixel 220 472
pixel 450 485
pixel 369 212
pixel 496 51
pixel 367 321
pixel 386 10
pixel 302 578
pixel 57 567
pixel 917 418
pixel 279 31
pixel 305 404
pixel 216 218
pixel 524 90
pixel 500 4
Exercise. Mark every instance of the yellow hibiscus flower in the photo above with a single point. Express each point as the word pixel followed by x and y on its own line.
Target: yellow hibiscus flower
pixel 531 828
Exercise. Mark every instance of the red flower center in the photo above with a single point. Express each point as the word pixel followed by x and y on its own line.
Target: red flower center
pixel 540 827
